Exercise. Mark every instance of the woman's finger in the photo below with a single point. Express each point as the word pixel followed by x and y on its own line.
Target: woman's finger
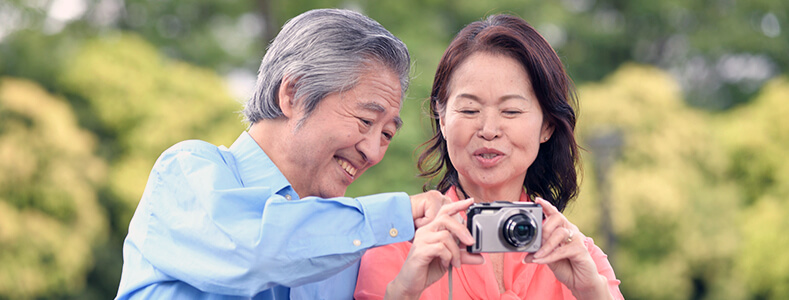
pixel 547 208
pixel 558 239
pixel 456 207
pixel 457 229
pixel 552 228
pixel 551 224
pixel 557 254
pixel 471 258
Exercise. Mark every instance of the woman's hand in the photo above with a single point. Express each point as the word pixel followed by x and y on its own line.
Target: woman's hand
pixel 435 247
pixel 564 251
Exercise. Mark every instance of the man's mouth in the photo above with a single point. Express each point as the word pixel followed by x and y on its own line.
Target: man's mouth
pixel 346 166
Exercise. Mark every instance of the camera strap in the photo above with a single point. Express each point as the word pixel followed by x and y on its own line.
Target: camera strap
pixel 450 282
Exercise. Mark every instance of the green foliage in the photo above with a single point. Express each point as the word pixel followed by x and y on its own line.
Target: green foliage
pixel 49 212
pixel 146 103
pixel 672 207
pixel 139 103
pixel 756 138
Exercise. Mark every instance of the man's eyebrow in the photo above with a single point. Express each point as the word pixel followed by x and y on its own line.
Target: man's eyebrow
pixel 398 123
pixel 378 108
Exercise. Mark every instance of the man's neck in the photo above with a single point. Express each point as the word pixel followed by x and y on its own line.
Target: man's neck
pixel 272 135
pixel 268 135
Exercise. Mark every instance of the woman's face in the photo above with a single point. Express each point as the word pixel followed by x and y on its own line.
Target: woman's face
pixel 492 122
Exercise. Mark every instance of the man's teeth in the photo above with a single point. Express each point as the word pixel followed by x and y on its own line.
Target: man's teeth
pixel 348 167
pixel 488 155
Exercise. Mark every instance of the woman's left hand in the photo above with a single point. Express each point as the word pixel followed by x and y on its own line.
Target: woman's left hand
pixel 564 251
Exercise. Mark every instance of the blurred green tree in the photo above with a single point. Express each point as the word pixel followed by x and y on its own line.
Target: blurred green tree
pixel 674 212
pixel 50 215
pixel 144 103
pixel 755 138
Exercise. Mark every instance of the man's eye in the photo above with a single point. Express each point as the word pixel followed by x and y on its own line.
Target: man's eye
pixel 388 136
pixel 366 122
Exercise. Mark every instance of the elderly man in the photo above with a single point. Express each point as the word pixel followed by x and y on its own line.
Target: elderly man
pixel 268 214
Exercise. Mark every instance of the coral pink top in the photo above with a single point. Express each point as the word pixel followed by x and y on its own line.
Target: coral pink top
pixel 380 266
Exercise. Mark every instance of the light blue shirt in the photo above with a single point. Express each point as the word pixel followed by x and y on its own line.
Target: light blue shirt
pixel 219 223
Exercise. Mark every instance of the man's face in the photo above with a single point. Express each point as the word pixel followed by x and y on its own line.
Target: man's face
pixel 346 134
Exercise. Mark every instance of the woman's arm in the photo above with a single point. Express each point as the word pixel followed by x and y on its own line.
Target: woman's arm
pixel 565 252
pixel 435 247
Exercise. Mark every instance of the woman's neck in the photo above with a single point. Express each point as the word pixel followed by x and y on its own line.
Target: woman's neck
pixel 510 192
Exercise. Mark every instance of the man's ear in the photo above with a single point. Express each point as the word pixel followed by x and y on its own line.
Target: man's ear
pixel 286 94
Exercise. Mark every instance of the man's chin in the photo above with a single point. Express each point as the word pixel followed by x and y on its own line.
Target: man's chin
pixel 333 194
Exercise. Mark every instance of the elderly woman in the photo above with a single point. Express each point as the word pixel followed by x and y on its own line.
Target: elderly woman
pixel 503 131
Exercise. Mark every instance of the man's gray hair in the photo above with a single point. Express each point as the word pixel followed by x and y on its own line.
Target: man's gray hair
pixel 325 51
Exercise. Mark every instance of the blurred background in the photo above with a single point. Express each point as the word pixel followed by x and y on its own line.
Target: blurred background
pixel 683 118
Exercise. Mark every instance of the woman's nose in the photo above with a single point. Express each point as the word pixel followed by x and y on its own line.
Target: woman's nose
pixel 489 127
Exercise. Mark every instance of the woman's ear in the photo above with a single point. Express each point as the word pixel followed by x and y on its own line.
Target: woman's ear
pixel 442 122
pixel 286 95
pixel 546 131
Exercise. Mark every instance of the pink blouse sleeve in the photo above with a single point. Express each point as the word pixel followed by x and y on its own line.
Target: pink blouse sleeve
pixel 380 266
pixel 604 268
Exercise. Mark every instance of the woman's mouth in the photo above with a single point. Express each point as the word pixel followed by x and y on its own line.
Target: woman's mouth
pixel 488 157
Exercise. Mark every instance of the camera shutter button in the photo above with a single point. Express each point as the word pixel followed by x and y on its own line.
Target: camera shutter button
pixel 393 232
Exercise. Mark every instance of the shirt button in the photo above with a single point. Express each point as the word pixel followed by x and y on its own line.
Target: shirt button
pixel 357 243
pixel 393 232
pixel 287 197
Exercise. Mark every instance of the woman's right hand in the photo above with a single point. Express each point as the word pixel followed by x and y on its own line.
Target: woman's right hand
pixel 435 246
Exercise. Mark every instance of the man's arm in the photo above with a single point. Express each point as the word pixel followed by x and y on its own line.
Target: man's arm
pixel 202 227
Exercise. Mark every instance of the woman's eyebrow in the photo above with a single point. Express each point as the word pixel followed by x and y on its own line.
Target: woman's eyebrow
pixel 505 97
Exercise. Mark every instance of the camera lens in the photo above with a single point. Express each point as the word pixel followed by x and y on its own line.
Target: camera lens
pixel 519 230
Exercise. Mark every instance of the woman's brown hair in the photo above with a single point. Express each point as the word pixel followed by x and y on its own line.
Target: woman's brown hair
pixel 553 175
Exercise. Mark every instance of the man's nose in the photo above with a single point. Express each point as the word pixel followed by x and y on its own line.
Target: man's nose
pixel 371 149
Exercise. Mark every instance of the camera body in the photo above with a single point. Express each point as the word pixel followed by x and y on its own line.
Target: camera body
pixel 503 226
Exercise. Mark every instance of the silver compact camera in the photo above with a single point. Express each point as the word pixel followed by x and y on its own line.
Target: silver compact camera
pixel 503 226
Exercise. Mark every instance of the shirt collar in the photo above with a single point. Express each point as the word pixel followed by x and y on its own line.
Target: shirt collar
pixel 256 169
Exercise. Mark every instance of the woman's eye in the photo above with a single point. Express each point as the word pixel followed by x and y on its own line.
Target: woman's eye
pixel 512 112
pixel 468 111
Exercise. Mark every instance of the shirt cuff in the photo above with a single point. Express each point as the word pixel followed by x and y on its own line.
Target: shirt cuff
pixel 389 216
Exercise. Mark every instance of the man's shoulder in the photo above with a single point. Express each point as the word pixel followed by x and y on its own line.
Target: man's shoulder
pixel 190 150
pixel 196 147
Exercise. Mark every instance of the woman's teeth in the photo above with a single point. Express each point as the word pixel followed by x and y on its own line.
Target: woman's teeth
pixel 488 155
